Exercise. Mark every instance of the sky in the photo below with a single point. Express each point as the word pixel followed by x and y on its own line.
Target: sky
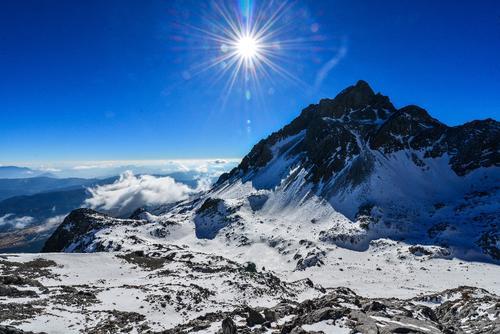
pixel 132 80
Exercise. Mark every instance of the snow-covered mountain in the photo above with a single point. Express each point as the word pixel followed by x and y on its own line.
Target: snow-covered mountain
pixel 352 193
pixel 348 171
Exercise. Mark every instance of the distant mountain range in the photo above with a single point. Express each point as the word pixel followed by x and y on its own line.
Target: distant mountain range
pixel 34 185
pixel 14 172
pixel 31 208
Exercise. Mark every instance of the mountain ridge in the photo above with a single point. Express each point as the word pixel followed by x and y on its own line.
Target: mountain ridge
pixel 373 106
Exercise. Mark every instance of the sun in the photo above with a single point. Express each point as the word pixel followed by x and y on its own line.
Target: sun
pixel 247 47
pixel 250 46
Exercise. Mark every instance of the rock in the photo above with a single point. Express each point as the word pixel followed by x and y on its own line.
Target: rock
pixel 228 326
pixel 325 313
pixel 13 330
pixel 270 315
pixel 298 330
pixel 77 230
pixel 374 306
pixel 254 318
pixel 250 267
pixel 9 291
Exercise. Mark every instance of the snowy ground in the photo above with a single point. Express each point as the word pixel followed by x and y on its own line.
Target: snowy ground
pixel 81 291
pixel 139 291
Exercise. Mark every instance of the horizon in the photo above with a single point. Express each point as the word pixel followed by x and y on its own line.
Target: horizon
pixel 101 90
pixel 110 168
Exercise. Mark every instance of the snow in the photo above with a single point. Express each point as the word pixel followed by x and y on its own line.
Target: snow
pixel 387 320
pixel 328 327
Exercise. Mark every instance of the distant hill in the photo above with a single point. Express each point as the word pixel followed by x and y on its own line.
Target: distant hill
pixel 33 185
pixel 14 172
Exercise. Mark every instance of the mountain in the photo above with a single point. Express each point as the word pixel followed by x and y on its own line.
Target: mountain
pixel 27 221
pixel 45 211
pixel 34 185
pixel 354 169
pixel 14 172
pixel 384 219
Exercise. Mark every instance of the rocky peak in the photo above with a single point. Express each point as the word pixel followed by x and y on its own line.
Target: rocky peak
pixel 359 102
pixel 78 229
pixel 417 114
pixel 357 120
pixel 77 223
pixel 358 95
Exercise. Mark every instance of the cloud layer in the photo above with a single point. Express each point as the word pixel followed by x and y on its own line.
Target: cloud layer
pixel 130 192
pixel 101 169
pixel 15 222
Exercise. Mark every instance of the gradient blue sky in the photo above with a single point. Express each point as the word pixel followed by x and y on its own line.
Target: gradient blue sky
pixel 92 80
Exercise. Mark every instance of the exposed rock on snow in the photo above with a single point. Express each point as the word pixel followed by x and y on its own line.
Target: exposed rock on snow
pixel 460 310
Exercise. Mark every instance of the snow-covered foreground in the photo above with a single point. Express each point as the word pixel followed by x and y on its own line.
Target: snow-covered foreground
pixel 74 292
pixel 387 269
pixel 97 292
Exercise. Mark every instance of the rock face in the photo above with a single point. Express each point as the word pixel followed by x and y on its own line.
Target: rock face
pixel 77 230
pixel 228 326
pixel 254 318
pixel 13 330
pixel 358 151
pixel 339 129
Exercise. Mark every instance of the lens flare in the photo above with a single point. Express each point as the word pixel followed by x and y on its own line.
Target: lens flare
pixel 247 47
pixel 255 46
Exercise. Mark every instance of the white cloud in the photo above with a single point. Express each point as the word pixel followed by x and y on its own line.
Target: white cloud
pixel 108 168
pixel 16 222
pixel 130 192
pixel 50 169
pixel 50 223
pixel 83 167
pixel 329 65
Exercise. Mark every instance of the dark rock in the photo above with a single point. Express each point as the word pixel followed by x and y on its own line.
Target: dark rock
pixel 374 306
pixel 250 267
pixel 76 228
pixel 13 330
pixel 228 326
pixel 9 291
pixel 270 315
pixel 254 317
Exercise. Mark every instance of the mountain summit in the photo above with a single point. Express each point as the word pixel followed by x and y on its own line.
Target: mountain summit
pixel 359 124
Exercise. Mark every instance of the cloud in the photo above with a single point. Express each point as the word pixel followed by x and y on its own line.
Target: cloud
pixel 130 192
pixel 16 222
pixel 50 169
pixel 329 65
pixel 83 167
pixel 50 223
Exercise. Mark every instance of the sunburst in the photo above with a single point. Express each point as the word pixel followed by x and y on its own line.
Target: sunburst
pixel 252 44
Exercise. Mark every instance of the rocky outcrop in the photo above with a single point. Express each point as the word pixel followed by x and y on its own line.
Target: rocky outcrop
pixel 13 330
pixel 77 230
pixel 461 310
pixel 340 129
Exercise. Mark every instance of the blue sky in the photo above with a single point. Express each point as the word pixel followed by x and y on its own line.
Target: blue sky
pixel 107 80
